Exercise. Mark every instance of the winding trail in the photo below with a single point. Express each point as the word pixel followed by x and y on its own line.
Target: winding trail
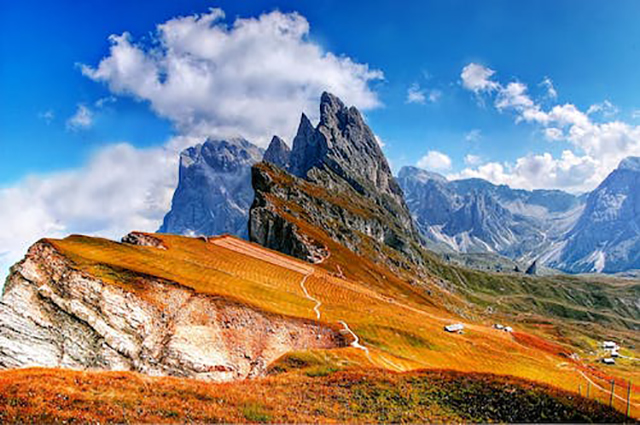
pixel 356 339
pixel 306 294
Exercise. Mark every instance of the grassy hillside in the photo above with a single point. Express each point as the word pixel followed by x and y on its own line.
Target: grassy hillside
pixel 398 322
pixel 301 395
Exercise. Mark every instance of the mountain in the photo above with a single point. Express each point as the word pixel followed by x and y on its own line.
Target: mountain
pixel 339 181
pixel 359 301
pixel 476 216
pixel 214 190
pixel 606 237
pixel 278 153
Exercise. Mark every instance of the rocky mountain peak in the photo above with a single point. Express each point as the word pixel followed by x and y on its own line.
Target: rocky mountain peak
pixel 339 156
pixel 345 145
pixel 214 190
pixel 305 152
pixel 631 163
pixel 606 236
pixel 278 153
pixel 420 175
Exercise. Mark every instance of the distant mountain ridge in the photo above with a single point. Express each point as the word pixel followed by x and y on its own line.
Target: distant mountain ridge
pixel 595 232
pixel 474 215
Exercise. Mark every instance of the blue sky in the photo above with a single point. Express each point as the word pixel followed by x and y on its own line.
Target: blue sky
pixel 590 52
pixel 88 146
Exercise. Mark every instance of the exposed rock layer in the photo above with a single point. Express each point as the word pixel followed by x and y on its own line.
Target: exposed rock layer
pixel 53 315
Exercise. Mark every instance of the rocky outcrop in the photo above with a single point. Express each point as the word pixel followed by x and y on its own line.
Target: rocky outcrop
pixel 278 153
pixel 143 239
pixel 214 189
pixel 339 183
pixel 52 314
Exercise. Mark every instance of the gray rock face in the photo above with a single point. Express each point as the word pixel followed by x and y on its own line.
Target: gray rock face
pixel 53 315
pixel 344 145
pixel 214 190
pixel 475 216
pixel 606 238
pixel 340 181
pixel 278 153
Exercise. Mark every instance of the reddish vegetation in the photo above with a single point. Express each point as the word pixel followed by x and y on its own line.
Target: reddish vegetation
pixel 46 395
pixel 533 341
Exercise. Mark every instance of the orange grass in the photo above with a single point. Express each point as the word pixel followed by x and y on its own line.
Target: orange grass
pixel 398 322
pixel 63 396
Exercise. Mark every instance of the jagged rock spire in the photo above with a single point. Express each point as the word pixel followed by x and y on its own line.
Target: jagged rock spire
pixel 278 153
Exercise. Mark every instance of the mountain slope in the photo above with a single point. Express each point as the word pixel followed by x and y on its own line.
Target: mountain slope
pixel 606 238
pixel 214 190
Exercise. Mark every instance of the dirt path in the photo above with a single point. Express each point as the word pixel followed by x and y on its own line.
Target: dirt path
pixel 356 339
pixel 309 297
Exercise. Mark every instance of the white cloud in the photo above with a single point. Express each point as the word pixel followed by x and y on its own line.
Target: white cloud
pixel 104 101
pixel 594 149
pixel 251 78
pixel 606 109
pixel 82 119
pixel 472 159
pixel 477 78
pixel 537 171
pixel 435 160
pixel 473 135
pixel 553 134
pixel 635 114
pixel 548 85
pixel 435 95
pixel 415 94
pixel 514 96
pixel 120 189
pixel 47 116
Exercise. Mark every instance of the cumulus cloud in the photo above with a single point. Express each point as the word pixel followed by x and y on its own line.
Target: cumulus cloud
pixel 82 119
pixel 537 171
pixel 594 146
pixel 549 87
pixel 250 78
pixel 253 78
pixel 416 94
pixel 471 159
pixel 435 160
pixel 477 78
